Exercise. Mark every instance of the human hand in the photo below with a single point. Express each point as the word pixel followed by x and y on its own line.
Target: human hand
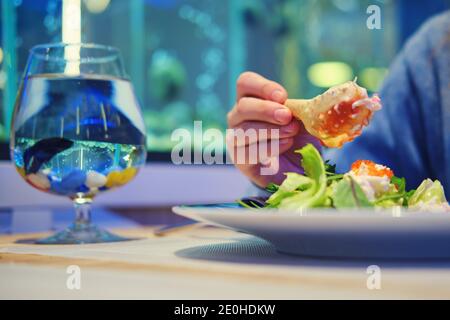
pixel 260 105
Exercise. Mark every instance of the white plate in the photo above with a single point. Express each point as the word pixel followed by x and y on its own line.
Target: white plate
pixel 391 234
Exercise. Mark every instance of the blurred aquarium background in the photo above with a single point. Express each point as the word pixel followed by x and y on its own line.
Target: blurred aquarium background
pixel 184 56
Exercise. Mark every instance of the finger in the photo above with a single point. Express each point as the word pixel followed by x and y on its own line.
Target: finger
pixel 249 132
pixel 253 109
pixel 257 154
pixel 254 85
pixel 262 174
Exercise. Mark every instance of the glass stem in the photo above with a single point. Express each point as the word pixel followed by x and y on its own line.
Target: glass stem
pixel 82 211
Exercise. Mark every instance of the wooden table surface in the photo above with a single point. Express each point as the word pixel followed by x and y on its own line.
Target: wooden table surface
pixel 205 263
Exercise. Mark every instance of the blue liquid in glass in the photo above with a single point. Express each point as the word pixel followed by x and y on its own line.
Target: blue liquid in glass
pixel 77 136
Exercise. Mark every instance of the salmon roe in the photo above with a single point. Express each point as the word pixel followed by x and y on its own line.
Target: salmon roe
pixel 344 118
pixel 371 168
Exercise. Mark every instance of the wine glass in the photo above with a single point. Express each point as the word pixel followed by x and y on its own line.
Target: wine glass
pixel 77 130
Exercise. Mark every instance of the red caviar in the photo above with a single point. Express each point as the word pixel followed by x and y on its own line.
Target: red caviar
pixel 344 118
pixel 371 168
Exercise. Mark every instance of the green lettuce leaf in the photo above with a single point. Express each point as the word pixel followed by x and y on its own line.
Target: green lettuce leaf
pixel 400 183
pixel 272 187
pixel 390 203
pixel 408 196
pixel 348 194
pixel 428 192
pixel 287 188
pixel 313 194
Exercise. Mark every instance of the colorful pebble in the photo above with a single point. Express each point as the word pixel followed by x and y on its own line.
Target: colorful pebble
pixel 119 178
pixel 46 171
pixel 39 181
pixel 78 180
pixel 21 171
pixel 95 179
pixel 70 184
pixel 83 188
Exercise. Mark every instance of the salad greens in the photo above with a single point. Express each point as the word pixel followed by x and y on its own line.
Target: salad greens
pixel 348 194
pixel 366 185
pixel 428 192
pixel 303 191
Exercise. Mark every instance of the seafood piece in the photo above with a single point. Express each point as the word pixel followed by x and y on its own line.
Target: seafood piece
pixel 338 115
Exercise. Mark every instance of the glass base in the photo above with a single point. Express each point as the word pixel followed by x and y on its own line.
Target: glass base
pixel 79 233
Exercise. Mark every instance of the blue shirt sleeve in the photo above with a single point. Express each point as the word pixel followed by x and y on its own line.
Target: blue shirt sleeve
pixel 411 134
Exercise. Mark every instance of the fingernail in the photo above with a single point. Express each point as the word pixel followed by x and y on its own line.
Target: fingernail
pixel 282 115
pixel 277 96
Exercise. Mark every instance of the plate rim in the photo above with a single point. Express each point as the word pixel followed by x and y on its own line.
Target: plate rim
pixel 402 214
